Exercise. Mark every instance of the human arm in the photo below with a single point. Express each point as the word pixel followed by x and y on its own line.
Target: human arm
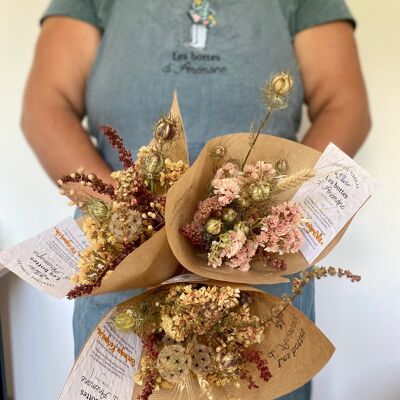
pixel 54 105
pixel 334 87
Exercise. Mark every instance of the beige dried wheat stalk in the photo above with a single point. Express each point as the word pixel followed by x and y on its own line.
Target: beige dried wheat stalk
pixel 295 180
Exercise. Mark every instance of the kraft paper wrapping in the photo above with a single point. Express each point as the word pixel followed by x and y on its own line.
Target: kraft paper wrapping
pixel 296 351
pixel 184 196
pixel 142 268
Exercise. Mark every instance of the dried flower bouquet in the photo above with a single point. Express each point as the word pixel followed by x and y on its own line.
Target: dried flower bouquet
pixel 231 216
pixel 124 221
pixel 207 340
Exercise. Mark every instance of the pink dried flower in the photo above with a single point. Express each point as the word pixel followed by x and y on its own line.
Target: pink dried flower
pixel 280 232
pixel 229 245
pixel 244 256
pixel 228 190
pixel 259 171
pixel 229 170
pixel 207 208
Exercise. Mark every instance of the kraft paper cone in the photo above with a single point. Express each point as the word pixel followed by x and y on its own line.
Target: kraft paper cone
pixel 142 268
pixel 184 196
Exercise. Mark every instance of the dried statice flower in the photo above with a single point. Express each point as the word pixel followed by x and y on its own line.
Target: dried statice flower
pixel 243 258
pixel 280 231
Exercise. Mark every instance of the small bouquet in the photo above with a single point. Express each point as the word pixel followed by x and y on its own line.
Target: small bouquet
pixel 203 339
pixel 124 221
pixel 232 216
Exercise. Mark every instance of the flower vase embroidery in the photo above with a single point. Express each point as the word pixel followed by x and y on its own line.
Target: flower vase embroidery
pixel 203 18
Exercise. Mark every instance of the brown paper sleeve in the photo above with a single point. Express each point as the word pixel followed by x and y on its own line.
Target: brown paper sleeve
pixel 184 196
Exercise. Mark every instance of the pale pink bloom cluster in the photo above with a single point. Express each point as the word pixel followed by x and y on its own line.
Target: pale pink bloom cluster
pixel 229 170
pixel 228 246
pixel 227 190
pixel 280 232
pixel 259 171
pixel 244 256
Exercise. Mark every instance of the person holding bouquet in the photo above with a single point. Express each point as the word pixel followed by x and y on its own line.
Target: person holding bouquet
pixel 118 63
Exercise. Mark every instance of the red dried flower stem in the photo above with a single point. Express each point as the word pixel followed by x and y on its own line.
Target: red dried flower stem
pixel 116 141
pixel 254 356
pixel 93 182
pixel 150 379
pixel 149 384
pixel 251 384
pixel 149 346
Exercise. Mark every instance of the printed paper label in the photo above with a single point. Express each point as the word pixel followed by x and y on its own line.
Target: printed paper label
pixel 331 199
pixel 48 260
pixel 106 367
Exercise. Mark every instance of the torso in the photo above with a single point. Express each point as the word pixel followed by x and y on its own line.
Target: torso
pixel 149 49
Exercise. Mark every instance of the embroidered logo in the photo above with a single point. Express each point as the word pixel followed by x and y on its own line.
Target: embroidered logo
pixel 203 18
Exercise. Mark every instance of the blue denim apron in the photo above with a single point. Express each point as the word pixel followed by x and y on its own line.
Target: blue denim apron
pixel 147 51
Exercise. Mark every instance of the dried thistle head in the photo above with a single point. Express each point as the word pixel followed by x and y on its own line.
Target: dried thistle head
pixel 277 90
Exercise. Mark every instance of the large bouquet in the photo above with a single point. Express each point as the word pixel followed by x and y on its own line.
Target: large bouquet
pixel 203 339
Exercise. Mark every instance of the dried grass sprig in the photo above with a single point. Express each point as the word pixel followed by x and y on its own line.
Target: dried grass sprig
pixel 295 180
pixel 306 277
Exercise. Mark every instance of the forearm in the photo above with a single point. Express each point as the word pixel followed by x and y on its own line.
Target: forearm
pixel 344 126
pixel 61 144
pixel 54 100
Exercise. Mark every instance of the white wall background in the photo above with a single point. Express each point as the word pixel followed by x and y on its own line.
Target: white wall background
pixel 363 321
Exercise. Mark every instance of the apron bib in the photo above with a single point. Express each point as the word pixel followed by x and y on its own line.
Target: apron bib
pixel 216 53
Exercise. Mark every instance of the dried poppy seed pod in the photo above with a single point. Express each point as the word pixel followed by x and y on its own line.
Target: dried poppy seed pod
pixel 97 209
pixel 277 90
pixel 124 321
pixel 219 151
pixel 282 166
pixel 242 226
pixel 260 192
pixel 165 128
pixel 282 84
pixel 153 164
pixel 243 202
pixel 214 227
pixel 229 216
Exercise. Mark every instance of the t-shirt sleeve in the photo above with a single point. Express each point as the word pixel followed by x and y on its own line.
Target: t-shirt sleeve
pixel 84 10
pixel 309 13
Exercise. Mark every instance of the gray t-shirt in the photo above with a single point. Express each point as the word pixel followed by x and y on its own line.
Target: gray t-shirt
pixel 216 53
